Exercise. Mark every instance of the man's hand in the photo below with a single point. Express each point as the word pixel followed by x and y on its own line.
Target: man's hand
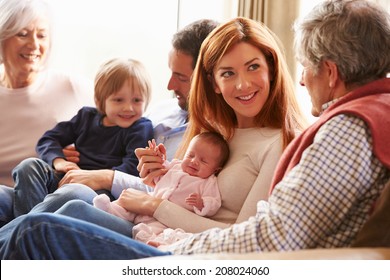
pixel 63 165
pixel 95 179
pixel 71 154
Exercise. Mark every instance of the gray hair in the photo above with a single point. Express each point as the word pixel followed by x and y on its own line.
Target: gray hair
pixel 17 14
pixel 354 34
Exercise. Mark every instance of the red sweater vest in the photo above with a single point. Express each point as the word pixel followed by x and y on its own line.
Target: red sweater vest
pixel 371 103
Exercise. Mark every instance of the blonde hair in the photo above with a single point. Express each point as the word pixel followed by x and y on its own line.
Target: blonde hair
pixel 114 73
pixel 208 111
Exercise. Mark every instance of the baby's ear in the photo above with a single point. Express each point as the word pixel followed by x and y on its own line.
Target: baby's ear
pixel 216 172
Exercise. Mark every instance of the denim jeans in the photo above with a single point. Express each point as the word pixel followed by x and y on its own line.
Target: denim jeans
pixel 68 192
pixel 6 204
pixel 83 211
pixel 51 203
pixel 34 179
pixel 54 236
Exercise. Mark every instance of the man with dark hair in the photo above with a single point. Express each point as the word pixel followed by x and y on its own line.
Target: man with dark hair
pixel 170 120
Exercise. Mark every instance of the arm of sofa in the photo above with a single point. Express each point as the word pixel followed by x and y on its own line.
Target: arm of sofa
pixel 311 254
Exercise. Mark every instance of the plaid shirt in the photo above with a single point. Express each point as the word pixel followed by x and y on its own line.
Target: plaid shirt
pixel 321 202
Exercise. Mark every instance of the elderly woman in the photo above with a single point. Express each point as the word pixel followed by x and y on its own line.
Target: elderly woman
pixel 32 98
pixel 326 181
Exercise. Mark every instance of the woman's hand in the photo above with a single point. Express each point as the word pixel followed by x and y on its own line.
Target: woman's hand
pixel 139 202
pixel 71 154
pixel 150 165
pixel 95 179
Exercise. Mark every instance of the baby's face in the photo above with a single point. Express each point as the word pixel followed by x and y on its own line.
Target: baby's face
pixel 201 159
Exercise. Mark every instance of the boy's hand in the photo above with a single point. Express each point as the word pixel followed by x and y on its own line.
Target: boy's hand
pixel 71 154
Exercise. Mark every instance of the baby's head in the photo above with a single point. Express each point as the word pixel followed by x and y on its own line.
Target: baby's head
pixel 207 153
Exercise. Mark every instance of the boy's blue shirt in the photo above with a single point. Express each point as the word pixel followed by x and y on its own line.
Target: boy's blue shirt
pixel 100 147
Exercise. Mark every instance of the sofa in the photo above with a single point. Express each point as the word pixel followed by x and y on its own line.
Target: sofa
pixel 372 253
pixel 371 243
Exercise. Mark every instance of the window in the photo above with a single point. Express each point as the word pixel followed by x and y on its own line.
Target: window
pixel 87 33
pixel 302 94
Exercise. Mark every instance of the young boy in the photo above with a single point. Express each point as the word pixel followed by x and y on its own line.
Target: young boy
pixel 105 136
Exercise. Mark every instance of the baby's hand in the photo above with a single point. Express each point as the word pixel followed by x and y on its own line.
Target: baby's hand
pixel 196 200
pixel 158 149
